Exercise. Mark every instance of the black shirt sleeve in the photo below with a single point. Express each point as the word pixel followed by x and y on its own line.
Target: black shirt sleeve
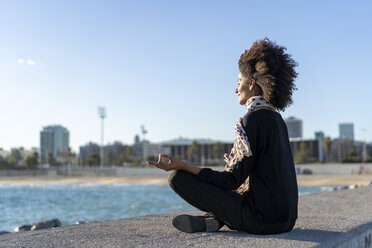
pixel 240 172
pixel 229 180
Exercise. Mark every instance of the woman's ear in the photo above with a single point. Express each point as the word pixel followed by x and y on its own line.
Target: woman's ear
pixel 252 83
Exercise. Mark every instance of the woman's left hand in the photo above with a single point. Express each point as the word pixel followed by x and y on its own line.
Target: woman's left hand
pixel 173 163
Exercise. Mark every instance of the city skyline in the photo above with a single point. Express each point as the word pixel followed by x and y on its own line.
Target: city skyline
pixel 137 136
pixel 172 67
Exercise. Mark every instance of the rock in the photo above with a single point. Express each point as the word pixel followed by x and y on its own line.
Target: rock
pixel 46 224
pixel 3 232
pixel 307 172
pixel 345 187
pixel 23 228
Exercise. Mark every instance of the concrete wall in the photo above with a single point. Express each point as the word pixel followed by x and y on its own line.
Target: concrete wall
pixel 335 168
pixel 148 171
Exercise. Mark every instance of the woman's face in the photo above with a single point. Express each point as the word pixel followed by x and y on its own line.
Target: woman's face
pixel 243 90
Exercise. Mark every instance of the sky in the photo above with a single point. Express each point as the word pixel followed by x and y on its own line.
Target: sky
pixel 172 66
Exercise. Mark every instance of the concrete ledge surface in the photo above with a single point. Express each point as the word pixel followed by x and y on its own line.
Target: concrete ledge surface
pixel 332 219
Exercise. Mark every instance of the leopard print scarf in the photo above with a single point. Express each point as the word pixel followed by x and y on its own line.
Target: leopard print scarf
pixel 241 145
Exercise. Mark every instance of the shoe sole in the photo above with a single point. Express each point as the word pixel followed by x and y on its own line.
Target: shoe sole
pixel 191 224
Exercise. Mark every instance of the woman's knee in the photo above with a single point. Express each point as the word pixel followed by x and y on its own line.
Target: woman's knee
pixel 175 178
pixel 171 178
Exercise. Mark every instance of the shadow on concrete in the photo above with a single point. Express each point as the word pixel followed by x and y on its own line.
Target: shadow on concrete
pixel 324 238
pixel 311 235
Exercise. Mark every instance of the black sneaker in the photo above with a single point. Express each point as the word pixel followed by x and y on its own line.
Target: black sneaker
pixel 191 224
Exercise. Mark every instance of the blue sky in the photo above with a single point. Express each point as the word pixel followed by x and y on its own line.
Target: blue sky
pixel 172 66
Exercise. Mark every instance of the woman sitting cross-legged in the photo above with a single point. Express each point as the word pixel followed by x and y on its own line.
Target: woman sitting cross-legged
pixel 257 193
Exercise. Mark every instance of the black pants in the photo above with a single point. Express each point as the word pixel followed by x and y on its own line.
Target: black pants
pixel 228 206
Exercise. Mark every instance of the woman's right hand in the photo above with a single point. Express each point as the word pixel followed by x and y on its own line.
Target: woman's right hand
pixel 173 163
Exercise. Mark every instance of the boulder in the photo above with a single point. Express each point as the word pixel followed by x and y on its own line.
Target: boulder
pixel 46 224
pixel 23 228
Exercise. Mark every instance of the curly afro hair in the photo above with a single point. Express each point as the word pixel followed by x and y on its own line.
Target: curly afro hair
pixel 272 69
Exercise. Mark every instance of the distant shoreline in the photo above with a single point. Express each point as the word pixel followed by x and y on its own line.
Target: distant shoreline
pixel 106 180
pixel 303 180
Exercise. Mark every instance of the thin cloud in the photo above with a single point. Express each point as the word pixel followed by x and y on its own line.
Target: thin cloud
pixel 26 61
pixel 31 62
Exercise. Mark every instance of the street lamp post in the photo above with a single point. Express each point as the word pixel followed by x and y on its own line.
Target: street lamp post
pixel 102 115
pixel 364 153
pixel 144 143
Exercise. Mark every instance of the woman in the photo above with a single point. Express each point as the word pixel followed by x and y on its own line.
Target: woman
pixel 257 192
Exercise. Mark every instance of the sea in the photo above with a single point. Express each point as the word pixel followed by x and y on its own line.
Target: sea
pixel 90 202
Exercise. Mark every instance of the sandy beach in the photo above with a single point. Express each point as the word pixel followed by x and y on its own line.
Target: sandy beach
pixel 331 180
pixel 303 180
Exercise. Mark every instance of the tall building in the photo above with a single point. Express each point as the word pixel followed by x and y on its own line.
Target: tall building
pixel 346 131
pixel 54 139
pixel 294 127
pixel 88 149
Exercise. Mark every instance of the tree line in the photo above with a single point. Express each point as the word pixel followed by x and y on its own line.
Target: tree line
pixel 15 160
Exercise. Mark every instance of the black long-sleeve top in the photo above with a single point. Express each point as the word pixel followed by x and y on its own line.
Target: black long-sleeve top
pixel 273 194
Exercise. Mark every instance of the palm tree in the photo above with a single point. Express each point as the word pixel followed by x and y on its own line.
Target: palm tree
pixel 193 150
pixel 51 159
pixel 126 155
pixel 217 151
pixel 14 158
pixel 32 161
pixel 129 152
pixel 303 154
pixel 110 158
pixel 92 159
pixel 327 142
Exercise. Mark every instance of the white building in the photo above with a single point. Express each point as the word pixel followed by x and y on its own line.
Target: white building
pixel 54 139
pixel 346 131
pixel 294 127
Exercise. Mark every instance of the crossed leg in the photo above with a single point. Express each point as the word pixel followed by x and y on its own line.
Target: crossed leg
pixel 225 205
